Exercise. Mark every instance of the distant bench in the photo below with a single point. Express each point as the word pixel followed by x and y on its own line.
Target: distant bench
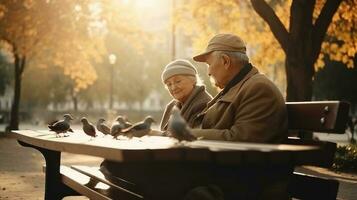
pixel 324 116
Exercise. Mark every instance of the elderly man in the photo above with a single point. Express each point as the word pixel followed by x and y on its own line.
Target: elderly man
pixel 250 108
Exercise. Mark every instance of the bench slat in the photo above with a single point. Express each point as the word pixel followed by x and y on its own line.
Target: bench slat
pixel 304 186
pixel 80 183
pixel 94 173
pixel 318 116
pixel 323 158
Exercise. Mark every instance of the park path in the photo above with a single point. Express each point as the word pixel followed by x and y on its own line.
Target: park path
pixel 21 175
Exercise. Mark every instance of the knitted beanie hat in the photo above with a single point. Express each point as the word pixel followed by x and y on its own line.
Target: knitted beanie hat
pixel 178 67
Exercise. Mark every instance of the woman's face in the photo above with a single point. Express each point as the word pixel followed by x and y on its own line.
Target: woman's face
pixel 180 86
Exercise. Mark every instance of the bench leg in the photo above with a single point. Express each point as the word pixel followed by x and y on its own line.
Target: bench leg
pixel 54 188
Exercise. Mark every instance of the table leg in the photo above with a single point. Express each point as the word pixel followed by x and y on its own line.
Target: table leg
pixel 54 188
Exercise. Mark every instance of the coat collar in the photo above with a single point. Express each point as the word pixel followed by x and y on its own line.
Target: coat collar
pixel 232 92
pixel 196 90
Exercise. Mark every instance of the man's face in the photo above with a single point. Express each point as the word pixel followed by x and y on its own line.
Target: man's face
pixel 216 69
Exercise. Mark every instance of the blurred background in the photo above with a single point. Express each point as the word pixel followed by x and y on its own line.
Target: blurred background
pixel 101 58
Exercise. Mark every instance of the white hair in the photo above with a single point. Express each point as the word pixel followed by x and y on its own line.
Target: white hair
pixel 239 56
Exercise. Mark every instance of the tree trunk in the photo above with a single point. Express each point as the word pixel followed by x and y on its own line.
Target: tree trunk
pixel 74 100
pixel 299 83
pixel 14 115
pixel 299 61
pixel 301 44
pixel 75 103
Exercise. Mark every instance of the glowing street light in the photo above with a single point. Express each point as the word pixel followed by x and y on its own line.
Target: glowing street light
pixel 112 60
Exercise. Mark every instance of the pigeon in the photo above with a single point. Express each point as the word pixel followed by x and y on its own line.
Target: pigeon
pixel 119 124
pixel 139 129
pixel 88 127
pixel 103 127
pixel 178 127
pixel 61 126
pixel 123 121
pixel 116 128
pixel 55 121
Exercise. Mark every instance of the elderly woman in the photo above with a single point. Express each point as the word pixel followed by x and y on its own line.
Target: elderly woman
pixel 181 80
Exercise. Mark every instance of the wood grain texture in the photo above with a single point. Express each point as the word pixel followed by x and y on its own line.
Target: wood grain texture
pixel 158 148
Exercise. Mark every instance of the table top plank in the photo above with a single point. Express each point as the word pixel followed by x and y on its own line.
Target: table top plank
pixel 160 148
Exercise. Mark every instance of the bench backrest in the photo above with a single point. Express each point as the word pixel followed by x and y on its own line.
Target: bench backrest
pixel 318 116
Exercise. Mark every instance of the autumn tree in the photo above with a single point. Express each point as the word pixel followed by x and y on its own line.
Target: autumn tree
pixel 140 53
pixel 48 33
pixel 301 43
pixel 37 95
pixel 4 73
pixel 125 38
pixel 294 31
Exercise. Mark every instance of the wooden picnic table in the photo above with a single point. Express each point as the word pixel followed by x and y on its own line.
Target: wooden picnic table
pixel 166 168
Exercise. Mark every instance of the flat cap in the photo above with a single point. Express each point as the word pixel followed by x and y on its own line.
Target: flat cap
pixel 222 42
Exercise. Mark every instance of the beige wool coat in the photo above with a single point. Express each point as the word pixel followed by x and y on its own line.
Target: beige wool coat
pixel 194 105
pixel 253 110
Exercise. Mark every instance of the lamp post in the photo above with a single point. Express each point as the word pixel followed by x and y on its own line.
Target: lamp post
pixel 112 60
pixel 173 31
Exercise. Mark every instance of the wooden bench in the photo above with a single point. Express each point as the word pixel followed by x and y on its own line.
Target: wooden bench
pixel 325 117
pixel 307 116
pixel 163 169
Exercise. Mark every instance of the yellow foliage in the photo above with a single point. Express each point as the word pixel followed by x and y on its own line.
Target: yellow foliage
pixel 203 19
pixel 66 34
pixel 351 52
pixel 341 43
pixel 319 63
pixel 2 11
pixel 28 3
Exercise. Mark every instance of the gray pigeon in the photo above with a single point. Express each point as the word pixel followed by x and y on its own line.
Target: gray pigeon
pixel 102 127
pixel 178 127
pixel 88 127
pixel 139 129
pixel 123 121
pixel 61 126
pixel 119 124
pixel 116 128
pixel 55 121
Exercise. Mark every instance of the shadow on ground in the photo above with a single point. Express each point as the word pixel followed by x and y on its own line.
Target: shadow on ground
pixel 21 175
